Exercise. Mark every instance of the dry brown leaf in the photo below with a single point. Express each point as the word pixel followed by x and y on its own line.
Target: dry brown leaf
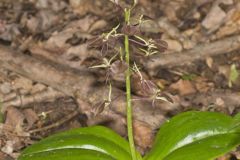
pixel 22 83
pixel 184 87
pixel 4 156
pixel 15 120
pixel 14 117
pixel 171 6
pixel 174 45
pixel 58 40
pixel 227 30
pixel 143 134
pixel 100 24
pixel 211 21
pixel 220 102
pixel 81 7
pixel 32 23
pixel 202 84
pixel 209 62
pixel 80 53
pixel 8 147
pixel 225 70
pixel 217 16
pixel 15 144
pixel 30 116
pixel 232 24
pixel 5 87
pixel 38 88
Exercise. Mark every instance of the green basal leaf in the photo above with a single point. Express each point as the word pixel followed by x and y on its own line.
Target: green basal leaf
pixel 237 118
pixel 78 143
pixel 67 154
pixel 189 136
pixel 195 136
pixel 236 124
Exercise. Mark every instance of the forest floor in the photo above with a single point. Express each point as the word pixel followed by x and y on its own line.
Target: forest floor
pixel 47 85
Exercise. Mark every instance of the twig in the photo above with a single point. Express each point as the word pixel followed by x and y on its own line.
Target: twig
pixel 199 52
pixel 57 124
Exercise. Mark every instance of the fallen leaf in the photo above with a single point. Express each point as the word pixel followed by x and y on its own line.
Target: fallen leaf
pixel 220 102
pixel 184 87
pixel 209 62
pixel 4 156
pixel 81 7
pixel 202 84
pixel 22 83
pixel 174 45
pixel 211 21
pixel 15 119
pixel 5 87
pixel 100 24
pixel 30 116
pixel 8 148
pixel 143 134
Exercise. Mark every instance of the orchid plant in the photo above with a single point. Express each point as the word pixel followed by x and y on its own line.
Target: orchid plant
pixel 188 136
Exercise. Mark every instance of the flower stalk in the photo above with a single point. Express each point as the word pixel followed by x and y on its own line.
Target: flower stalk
pixel 127 14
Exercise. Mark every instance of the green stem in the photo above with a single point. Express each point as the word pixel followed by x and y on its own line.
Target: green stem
pixel 128 90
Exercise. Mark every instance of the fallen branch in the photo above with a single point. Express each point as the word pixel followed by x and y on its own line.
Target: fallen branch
pixel 169 60
pixel 24 100
pixel 198 52
pixel 78 84
pixel 63 59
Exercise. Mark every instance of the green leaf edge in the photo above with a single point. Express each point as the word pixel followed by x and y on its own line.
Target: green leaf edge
pixel 67 154
pixel 99 132
pixel 233 128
